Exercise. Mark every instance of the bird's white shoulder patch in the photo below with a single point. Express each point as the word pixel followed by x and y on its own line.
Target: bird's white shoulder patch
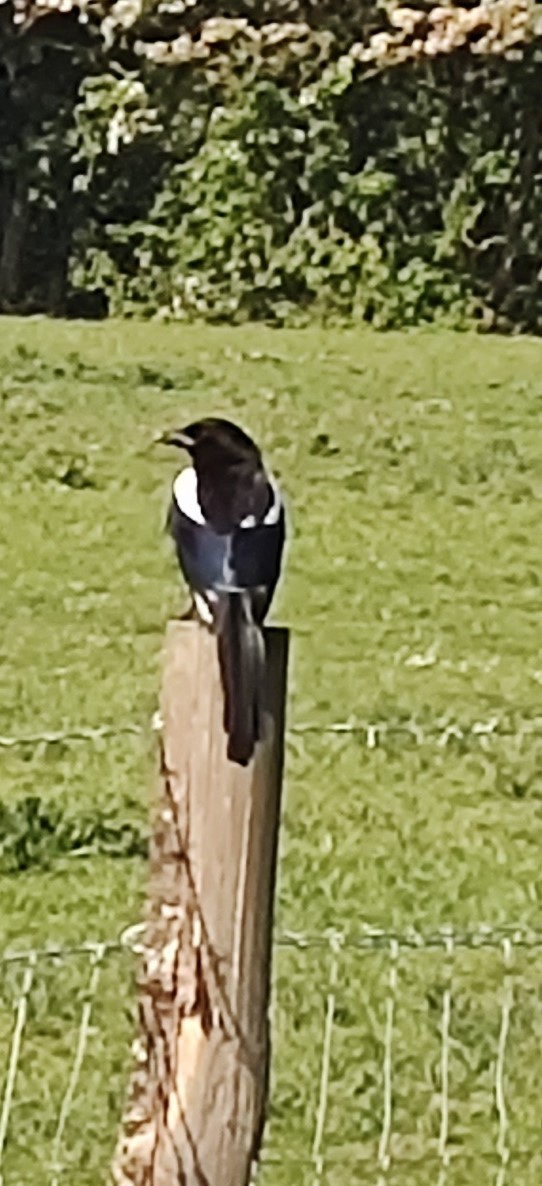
pixel 185 493
pixel 273 513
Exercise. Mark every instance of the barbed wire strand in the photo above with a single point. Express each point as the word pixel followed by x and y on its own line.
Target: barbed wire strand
pixel 321 1112
pixel 375 732
pixel 368 939
pixel 503 1150
pixel 96 961
pixel 391 1000
pixel 445 1064
pixel 21 1010
pixel 77 733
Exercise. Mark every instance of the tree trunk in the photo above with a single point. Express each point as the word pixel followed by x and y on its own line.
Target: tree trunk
pixel 12 242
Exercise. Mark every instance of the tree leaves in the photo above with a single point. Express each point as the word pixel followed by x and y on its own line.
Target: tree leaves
pixel 280 169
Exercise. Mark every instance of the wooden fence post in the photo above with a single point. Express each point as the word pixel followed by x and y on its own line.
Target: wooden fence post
pixel 197 1098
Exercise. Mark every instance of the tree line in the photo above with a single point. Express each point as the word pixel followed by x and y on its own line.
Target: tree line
pixel 280 160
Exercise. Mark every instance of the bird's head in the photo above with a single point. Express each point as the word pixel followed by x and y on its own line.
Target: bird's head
pixel 214 442
pixel 232 482
pixel 181 438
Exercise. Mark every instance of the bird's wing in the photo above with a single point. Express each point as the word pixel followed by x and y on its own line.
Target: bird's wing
pixel 256 560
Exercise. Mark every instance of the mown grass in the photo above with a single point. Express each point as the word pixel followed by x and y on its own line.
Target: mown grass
pixel 412 588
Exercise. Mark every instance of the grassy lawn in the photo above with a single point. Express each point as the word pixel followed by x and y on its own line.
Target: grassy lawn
pixel 413 590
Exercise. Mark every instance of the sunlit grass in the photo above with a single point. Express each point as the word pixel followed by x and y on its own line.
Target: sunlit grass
pixel 412 588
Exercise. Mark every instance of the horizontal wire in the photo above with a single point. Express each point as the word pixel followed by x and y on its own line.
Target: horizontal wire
pixel 369 939
pixel 375 939
pixel 59 953
pixel 375 732
pixel 77 733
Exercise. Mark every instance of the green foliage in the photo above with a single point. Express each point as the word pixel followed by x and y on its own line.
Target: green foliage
pixel 392 200
pixel 271 172
pixel 35 833
pixel 268 219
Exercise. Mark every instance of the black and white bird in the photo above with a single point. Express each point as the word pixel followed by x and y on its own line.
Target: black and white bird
pixel 228 523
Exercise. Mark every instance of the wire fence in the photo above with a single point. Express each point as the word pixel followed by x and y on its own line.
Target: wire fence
pixel 442 1095
pixel 440 731
pixel 398 1055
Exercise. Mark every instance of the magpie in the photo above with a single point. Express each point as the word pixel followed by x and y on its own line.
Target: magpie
pixel 227 521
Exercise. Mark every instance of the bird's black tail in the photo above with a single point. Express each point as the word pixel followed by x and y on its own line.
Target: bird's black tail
pixel 241 652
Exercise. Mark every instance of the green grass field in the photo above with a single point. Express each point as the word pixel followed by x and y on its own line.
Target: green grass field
pixel 413 591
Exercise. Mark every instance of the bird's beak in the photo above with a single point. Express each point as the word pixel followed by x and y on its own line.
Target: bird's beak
pixel 175 437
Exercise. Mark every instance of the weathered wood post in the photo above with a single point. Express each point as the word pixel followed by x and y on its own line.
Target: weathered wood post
pixel 196 1105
